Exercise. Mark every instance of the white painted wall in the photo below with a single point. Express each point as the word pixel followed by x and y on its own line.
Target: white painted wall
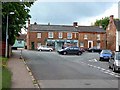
pixel 117 40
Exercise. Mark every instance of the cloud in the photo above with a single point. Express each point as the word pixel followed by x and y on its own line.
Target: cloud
pixel 66 12
pixel 113 10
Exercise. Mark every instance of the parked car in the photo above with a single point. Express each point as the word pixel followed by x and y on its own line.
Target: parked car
pixel 70 50
pixel 105 55
pixel 94 49
pixel 114 62
pixel 44 48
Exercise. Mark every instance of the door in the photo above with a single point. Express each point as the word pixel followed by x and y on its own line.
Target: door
pixel 90 44
pixel 32 45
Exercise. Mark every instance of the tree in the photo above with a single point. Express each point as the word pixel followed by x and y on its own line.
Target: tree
pixel 102 22
pixel 16 21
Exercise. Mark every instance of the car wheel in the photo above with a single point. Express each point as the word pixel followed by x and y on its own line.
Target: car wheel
pixel 64 53
pixel 79 53
pixel 40 50
pixel 50 50
pixel 92 50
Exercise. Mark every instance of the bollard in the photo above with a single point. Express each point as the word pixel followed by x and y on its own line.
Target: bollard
pixel 21 54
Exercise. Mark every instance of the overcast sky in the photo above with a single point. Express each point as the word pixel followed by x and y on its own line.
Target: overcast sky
pixel 66 13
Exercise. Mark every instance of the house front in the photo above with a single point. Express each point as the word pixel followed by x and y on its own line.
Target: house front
pixel 51 35
pixel 92 36
pixel 58 35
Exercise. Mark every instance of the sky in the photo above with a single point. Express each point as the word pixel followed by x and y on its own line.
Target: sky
pixel 84 13
pixel 68 11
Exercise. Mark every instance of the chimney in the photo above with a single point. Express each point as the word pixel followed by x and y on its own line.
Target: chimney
pixel 35 23
pixel 49 23
pixel 75 24
pixel 111 18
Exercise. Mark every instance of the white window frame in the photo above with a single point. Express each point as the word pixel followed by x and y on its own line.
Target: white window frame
pixel 98 45
pixel 98 36
pixel 38 35
pixel 69 35
pixel 81 44
pixel 60 35
pixel 50 35
pixel 85 36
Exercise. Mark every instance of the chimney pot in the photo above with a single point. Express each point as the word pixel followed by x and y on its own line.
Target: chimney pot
pixel 111 18
pixel 75 24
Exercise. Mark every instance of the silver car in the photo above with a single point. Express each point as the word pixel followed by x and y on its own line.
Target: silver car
pixel 114 62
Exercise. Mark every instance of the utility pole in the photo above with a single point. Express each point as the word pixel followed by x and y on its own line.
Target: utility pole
pixel 6 50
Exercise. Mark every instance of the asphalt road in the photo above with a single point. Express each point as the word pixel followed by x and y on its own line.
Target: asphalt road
pixel 70 71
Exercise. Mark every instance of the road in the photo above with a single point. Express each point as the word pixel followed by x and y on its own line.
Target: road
pixel 70 71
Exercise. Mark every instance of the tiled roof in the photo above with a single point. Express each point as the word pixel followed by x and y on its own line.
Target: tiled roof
pixel 51 28
pixel 65 28
pixel 90 29
pixel 117 23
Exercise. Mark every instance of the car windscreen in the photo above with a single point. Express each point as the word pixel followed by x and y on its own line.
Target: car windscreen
pixel 66 48
pixel 106 52
pixel 117 56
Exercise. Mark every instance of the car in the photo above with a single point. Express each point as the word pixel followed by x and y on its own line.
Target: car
pixel 114 62
pixel 94 49
pixel 44 48
pixel 105 55
pixel 70 50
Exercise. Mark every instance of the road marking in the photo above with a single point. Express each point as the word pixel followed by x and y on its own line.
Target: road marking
pixel 103 70
pixel 93 60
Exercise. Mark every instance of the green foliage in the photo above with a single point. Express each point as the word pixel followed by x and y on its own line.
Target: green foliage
pixel 102 22
pixel 6 79
pixel 15 21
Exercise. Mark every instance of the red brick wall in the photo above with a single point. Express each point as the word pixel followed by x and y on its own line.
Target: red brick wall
pixel 92 37
pixel 80 37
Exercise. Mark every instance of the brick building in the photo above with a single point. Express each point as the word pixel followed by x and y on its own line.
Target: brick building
pixel 113 32
pixel 58 35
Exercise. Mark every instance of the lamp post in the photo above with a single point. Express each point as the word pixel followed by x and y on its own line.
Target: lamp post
pixel 6 51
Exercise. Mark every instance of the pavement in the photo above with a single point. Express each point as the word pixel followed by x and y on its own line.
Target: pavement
pixel 20 75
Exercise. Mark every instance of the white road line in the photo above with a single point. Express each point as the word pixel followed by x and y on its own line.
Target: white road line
pixel 103 70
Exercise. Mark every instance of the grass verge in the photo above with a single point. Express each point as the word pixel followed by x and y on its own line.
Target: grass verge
pixel 6 74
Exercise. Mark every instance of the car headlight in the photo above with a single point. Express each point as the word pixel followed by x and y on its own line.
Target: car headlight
pixel 116 63
pixel 101 55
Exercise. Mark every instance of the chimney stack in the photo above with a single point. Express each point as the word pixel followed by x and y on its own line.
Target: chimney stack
pixel 75 24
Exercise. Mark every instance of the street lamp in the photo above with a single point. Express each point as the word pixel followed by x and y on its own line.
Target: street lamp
pixel 6 51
